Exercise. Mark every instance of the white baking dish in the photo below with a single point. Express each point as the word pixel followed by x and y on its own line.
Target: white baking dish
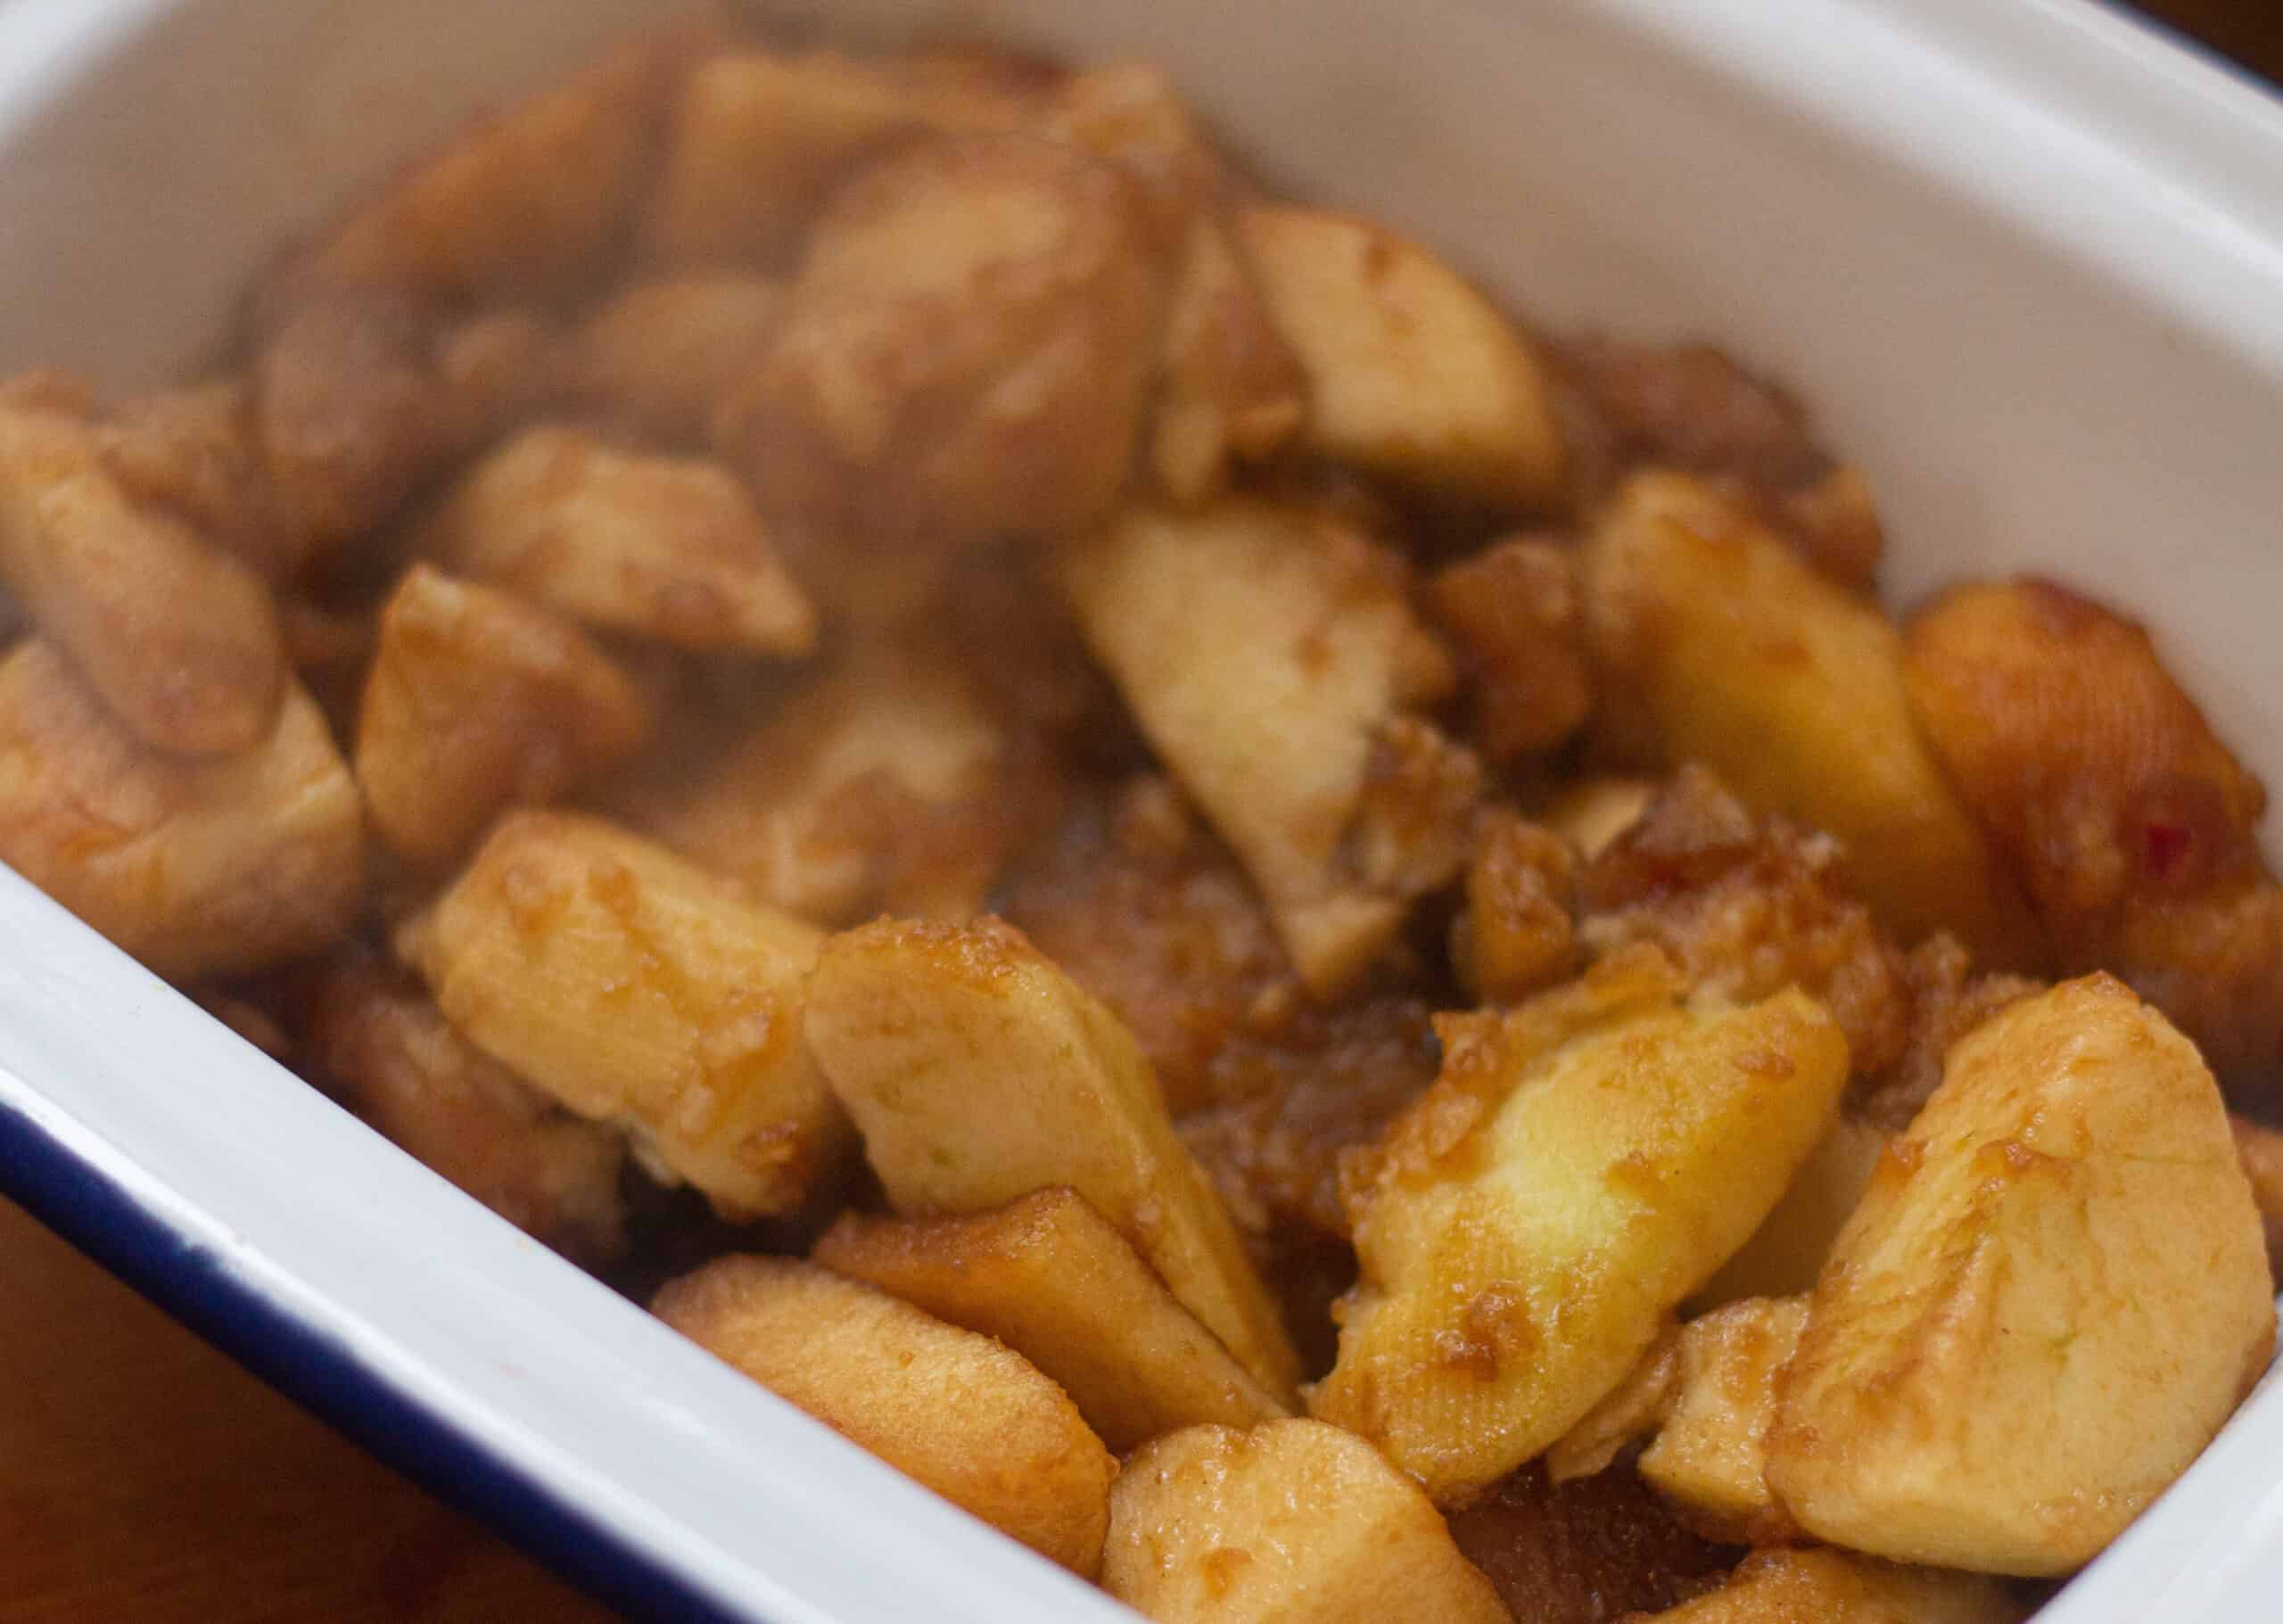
pixel 2024 257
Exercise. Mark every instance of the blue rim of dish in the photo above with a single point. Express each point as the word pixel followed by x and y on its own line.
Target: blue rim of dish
pixel 80 1202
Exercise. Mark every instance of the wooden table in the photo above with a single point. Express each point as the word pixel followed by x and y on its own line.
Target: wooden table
pixel 144 1478
pixel 2251 30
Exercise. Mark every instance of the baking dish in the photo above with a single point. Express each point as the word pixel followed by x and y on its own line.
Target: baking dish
pixel 2025 257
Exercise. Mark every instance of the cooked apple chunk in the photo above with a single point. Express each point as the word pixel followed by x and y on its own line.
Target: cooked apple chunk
pixel 191 450
pixel 477 701
pixel 1291 1521
pixel 1412 372
pixel 640 990
pixel 1716 643
pixel 1593 814
pixel 956 1411
pixel 1131 113
pixel 357 399
pixel 2260 1149
pixel 178 637
pixel 2052 1296
pixel 2133 826
pixel 1514 936
pixel 886 783
pixel 756 140
pixel 1631 1411
pixel 1710 1452
pixel 1511 611
pixel 964 355
pixel 524 203
pixel 1053 1279
pixel 665 354
pixel 977 1072
pixel 1707 1392
pixel 1834 1588
pixel 197 866
pixel 394 1057
pixel 1232 387
pixel 667 548
pixel 1786 1252
pixel 760 139
pixel 1748 905
pixel 1270 655
pixel 1581 1165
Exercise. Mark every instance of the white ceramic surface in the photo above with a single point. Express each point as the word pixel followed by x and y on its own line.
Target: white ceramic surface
pixel 2025 259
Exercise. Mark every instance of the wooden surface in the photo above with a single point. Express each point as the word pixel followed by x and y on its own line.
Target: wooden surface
pixel 2251 30
pixel 145 1480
